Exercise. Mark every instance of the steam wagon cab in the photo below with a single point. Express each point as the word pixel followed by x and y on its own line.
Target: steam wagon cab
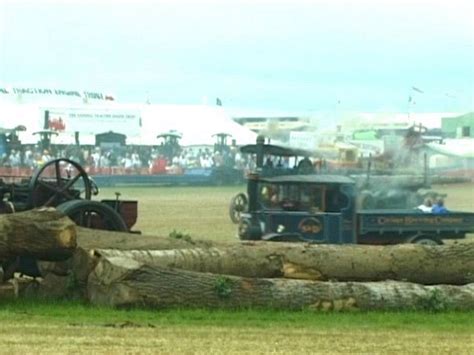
pixel 280 158
pixel 312 208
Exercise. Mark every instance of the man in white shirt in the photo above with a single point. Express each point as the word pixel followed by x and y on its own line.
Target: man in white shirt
pixel 426 206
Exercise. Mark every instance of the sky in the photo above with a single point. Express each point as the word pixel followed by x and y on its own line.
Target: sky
pixel 290 55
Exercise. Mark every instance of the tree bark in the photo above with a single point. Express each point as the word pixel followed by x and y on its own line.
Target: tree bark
pixel 447 264
pixel 95 238
pixel 122 282
pixel 40 233
pixel 83 260
pixel 75 270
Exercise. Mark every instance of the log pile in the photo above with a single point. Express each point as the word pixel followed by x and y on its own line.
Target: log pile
pixel 120 281
pixel 123 270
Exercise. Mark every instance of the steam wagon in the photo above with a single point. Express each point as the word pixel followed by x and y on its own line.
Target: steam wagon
pixel 323 209
pixel 375 191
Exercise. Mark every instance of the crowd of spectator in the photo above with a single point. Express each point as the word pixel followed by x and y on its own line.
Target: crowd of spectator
pixel 132 157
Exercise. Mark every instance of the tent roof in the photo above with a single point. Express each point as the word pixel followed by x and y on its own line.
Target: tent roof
pixel 460 148
pixel 196 123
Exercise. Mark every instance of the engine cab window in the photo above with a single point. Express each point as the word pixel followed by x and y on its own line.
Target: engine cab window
pixel 269 196
pixel 293 197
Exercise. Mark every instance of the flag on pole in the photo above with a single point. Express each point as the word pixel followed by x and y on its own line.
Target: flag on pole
pixel 218 102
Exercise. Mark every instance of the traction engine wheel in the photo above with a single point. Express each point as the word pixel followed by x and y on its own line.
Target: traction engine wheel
pixel 93 214
pixel 57 181
pixel 238 204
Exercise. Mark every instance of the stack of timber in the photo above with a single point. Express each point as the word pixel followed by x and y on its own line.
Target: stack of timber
pixel 123 270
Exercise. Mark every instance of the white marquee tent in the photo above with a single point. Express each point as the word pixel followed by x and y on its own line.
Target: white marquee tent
pixel 196 123
pixel 141 123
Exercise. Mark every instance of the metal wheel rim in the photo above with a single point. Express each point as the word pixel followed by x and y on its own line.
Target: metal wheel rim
pixel 238 205
pixel 59 185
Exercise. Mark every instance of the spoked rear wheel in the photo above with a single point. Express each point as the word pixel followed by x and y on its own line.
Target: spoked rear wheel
pixel 58 181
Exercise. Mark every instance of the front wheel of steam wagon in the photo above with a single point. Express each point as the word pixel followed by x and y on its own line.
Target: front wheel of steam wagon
pixel 238 204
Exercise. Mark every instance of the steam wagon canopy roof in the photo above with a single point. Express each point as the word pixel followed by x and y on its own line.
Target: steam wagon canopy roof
pixel 308 179
pixel 276 150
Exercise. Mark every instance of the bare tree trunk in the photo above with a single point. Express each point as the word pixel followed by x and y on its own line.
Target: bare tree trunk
pixel 41 233
pixel 447 264
pixel 122 282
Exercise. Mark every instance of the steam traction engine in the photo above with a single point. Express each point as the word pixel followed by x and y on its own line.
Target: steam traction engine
pixel 65 185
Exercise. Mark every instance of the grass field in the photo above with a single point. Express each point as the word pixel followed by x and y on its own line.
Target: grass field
pixel 202 212
pixel 74 328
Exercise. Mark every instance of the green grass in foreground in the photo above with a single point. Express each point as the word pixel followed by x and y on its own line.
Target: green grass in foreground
pixel 77 313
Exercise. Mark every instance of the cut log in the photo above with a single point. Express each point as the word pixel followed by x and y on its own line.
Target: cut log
pixel 95 239
pixel 88 239
pixel 82 261
pixel 447 264
pixel 40 233
pixel 122 282
pixel 74 270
